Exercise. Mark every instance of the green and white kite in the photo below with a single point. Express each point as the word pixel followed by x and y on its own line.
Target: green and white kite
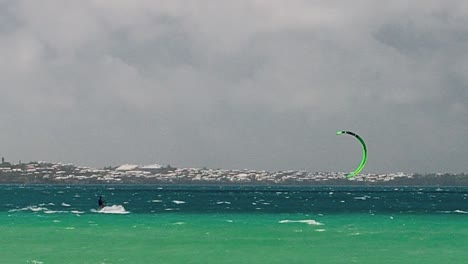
pixel 364 153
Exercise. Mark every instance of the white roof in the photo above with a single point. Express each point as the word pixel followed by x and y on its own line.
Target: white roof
pixel 127 167
pixel 153 166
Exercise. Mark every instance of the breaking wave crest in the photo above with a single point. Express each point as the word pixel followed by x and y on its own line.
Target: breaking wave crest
pixel 309 222
pixel 36 209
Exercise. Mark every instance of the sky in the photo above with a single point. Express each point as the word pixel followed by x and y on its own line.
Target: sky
pixel 255 84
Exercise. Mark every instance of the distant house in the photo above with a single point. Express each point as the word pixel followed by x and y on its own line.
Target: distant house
pixel 127 167
pixel 5 169
pixel 154 168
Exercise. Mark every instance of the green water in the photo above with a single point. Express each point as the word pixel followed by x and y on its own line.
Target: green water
pixel 233 238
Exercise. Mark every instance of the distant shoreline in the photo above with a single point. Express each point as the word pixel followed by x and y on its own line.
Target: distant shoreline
pixel 57 173
pixel 275 187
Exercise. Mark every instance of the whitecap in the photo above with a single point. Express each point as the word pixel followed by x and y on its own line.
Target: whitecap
pixel 35 262
pixel 361 197
pixel 65 204
pixel 34 208
pixel 460 212
pixel 178 202
pixel 320 230
pixel 53 212
pixel 40 209
pixel 156 201
pixel 29 208
pixel 309 222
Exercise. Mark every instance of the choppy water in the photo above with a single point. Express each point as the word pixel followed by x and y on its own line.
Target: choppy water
pixel 213 224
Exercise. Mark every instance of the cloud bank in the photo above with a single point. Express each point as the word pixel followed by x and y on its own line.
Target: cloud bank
pixel 239 84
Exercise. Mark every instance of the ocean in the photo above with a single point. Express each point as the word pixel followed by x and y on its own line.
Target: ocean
pixel 233 224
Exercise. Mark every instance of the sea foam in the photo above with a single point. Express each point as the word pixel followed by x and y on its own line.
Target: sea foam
pixel 30 208
pixel 309 222
pixel 113 209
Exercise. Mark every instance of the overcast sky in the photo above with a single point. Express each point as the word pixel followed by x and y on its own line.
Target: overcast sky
pixel 236 84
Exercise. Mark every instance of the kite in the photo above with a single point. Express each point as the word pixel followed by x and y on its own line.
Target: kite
pixel 364 152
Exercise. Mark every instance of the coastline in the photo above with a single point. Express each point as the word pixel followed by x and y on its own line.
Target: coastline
pixel 58 173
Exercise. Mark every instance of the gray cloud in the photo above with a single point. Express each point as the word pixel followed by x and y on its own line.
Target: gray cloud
pixel 244 84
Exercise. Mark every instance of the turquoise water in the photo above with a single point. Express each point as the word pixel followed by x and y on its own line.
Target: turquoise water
pixel 200 224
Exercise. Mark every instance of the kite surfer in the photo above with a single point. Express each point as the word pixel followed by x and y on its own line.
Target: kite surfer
pixel 101 202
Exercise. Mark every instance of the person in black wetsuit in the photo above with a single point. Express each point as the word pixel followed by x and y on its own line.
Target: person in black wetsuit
pixel 101 202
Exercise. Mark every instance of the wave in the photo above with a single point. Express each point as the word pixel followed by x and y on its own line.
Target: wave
pixel 309 222
pixel 171 209
pixel 35 209
pixel 32 208
pixel 113 209
pixel 456 212
pixel 365 197
pixel 35 262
